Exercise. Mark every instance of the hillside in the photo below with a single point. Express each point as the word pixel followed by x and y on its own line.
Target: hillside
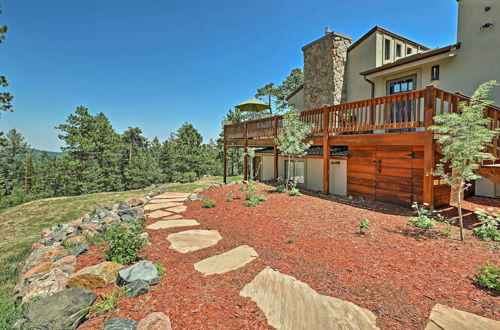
pixel 53 154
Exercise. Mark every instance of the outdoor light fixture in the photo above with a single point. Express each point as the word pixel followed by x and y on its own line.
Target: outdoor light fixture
pixel 435 73
pixel 487 8
pixel 487 26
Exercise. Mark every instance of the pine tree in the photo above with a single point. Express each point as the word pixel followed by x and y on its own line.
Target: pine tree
pixel 188 150
pixel 5 97
pixel 14 158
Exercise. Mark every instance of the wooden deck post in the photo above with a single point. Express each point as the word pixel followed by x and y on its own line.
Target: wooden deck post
pixel 326 153
pixel 429 147
pixel 275 153
pixel 245 157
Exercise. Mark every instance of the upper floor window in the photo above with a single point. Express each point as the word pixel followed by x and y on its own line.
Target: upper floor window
pixel 409 51
pixel 399 50
pixel 387 49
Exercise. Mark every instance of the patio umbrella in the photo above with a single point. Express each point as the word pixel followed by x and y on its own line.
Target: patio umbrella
pixel 252 105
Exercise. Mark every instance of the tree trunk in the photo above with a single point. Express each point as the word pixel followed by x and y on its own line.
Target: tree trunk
pixel 288 176
pixel 459 206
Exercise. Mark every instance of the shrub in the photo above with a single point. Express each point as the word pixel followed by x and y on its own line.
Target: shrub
pixel 160 268
pixel 489 277
pixel 280 188
pixel 242 188
pixel 229 198
pixel 106 305
pixel 250 191
pixel 124 245
pixel 261 198
pixel 363 224
pixel 208 203
pixel 295 192
pixel 423 219
pixel 184 177
pixel 488 231
pixel 253 202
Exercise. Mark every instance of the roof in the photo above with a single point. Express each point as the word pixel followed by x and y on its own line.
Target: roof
pixel 413 58
pixel 298 89
pixel 384 31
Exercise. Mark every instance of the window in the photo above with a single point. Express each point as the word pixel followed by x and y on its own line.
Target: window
pixel 387 49
pixel 409 51
pixel 401 111
pixel 435 72
pixel 399 50
pixel 297 169
pixel 401 85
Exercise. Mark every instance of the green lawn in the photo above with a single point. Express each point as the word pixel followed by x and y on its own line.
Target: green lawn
pixel 20 226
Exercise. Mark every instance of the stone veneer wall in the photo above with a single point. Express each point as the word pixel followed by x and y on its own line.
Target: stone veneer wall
pixel 324 68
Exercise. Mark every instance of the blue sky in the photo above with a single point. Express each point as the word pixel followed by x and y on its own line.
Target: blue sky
pixel 158 63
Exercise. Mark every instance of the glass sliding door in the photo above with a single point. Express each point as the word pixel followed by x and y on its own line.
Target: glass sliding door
pixel 297 171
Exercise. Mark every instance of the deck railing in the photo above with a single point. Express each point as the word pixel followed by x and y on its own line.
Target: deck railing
pixel 393 112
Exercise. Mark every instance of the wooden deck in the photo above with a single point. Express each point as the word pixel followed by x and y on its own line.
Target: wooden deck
pixel 367 125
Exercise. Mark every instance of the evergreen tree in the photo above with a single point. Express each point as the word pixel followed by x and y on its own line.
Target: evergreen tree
pixel 14 160
pixel 188 151
pixel 5 97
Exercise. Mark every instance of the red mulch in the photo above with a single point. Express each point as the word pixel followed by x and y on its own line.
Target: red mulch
pixel 396 271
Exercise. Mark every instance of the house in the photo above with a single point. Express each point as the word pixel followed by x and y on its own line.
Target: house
pixel 370 102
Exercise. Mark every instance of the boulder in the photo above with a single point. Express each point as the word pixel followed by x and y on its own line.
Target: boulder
pixel 447 318
pixel 123 206
pixel 69 260
pixel 51 254
pixel 136 201
pixel 79 248
pixel 74 240
pixel 96 276
pixel 144 270
pixel 58 310
pixel 136 288
pixel 155 321
pixel 115 323
pixel 41 268
pixel 41 286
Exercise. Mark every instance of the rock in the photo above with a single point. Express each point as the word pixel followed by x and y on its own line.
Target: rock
pixel 227 261
pixel 155 321
pixel 446 318
pixel 136 202
pixel 123 206
pixel 75 240
pixel 69 260
pixel 282 299
pixel 115 323
pixel 136 288
pixel 53 281
pixel 163 224
pixel 58 310
pixel 192 240
pixel 79 248
pixel 158 214
pixel 144 270
pixel 36 246
pixel 198 190
pixel 177 209
pixel 172 195
pixel 41 268
pixel 144 236
pixel 130 218
pixel 51 254
pixel 96 276
pixel 47 233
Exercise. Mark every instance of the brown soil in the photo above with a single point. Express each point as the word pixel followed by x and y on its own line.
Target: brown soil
pixel 396 271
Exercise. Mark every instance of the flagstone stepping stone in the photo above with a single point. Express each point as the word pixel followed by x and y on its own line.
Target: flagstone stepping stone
pixel 291 304
pixel 171 195
pixel 158 214
pixel 192 240
pixel 169 201
pixel 227 261
pixel 154 207
pixel 447 318
pixel 174 217
pixel 163 224
pixel 177 209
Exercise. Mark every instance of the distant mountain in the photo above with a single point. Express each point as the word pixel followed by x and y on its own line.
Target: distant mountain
pixel 54 154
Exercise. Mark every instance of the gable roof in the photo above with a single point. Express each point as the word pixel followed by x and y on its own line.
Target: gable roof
pixel 413 58
pixel 389 33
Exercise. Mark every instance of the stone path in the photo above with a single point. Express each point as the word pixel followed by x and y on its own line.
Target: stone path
pixel 225 262
pixel 163 224
pixel 443 317
pixel 291 304
pixel 192 240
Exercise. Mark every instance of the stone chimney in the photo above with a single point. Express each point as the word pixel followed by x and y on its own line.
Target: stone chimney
pixel 324 69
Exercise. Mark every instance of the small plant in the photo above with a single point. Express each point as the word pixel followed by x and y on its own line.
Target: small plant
pixel 229 198
pixel 290 241
pixel 489 277
pixel 363 224
pixel 208 203
pixel 488 231
pixel 242 188
pixel 106 305
pixel 295 192
pixel 97 240
pixel 261 198
pixel 160 268
pixel 448 228
pixel 424 218
pixel 250 191
pixel 253 202
pixel 124 245
pixel 281 188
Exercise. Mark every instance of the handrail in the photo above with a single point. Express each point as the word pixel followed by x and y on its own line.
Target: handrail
pixel 391 112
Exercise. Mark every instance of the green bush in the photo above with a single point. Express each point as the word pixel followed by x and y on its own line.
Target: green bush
pixel 281 188
pixel 295 192
pixel 488 231
pixel 250 191
pixel 253 202
pixel 184 177
pixel 208 203
pixel 124 245
pixel 423 219
pixel 261 198
pixel 242 188
pixel 229 198
pixel 159 268
pixel 489 277
pixel 363 224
